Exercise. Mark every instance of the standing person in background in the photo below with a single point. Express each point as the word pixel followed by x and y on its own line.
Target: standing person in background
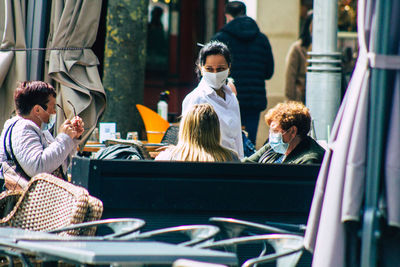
pixel 212 66
pixel 252 63
pixel 157 45
pixel 296 63
pixel 305 6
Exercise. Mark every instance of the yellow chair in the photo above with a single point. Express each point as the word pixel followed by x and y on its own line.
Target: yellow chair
pixel 155 125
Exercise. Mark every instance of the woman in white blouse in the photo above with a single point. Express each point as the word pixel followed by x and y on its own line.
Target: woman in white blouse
pixel 213 66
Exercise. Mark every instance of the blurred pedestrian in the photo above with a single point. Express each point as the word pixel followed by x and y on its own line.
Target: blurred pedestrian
pixel 252 63
pixel 157 45
pixel 296 63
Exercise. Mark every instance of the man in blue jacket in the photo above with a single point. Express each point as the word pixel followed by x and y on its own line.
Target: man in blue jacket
pixel 252 63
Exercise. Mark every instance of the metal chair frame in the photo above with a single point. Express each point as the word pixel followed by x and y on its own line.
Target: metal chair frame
pixel 277 241
pixel 197 234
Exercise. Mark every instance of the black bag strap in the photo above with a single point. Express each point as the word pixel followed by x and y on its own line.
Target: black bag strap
pixel 13 158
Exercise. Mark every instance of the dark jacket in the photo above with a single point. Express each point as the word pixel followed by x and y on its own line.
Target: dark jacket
pixel 252 61
pixel 308 151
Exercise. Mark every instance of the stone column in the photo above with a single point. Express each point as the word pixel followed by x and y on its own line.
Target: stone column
pixel 279 20
pixel 124 63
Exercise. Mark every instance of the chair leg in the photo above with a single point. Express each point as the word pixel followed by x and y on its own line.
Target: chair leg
pixel 10 261
pixel 25 260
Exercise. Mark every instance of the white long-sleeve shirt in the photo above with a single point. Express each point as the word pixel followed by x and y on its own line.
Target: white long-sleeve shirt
pixel 227 110
pixel 37 151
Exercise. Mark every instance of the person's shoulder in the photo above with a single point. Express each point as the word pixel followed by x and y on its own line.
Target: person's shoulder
pixel 312 152
pixel 9 122
pixel 220 36
pixel 315 146
pixel 241 29
pixel 24 126
pixel 194 97
pixel 311 157
pixel 165 155
pixel 265 148
pixel 199 92
pixel 295 52
pixel 295 45
pixel 263 39
pixel 259 153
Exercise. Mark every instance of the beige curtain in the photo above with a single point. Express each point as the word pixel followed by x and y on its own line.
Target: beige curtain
pixel 12 63
pixel 74 25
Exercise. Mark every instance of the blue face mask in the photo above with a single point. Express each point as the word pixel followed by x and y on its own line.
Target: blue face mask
pixel 277 144
pixel 47 126
pixel 50 124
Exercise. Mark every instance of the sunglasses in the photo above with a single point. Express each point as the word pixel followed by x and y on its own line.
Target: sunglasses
pixel 73 107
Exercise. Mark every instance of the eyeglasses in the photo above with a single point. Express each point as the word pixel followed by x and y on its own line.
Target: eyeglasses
pixel 278 132
pixel 73 107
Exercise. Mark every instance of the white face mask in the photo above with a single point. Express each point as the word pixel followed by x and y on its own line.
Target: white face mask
pixel 215 80
pixel 47 126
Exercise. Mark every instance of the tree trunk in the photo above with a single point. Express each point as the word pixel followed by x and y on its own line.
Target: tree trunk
pixel 124 63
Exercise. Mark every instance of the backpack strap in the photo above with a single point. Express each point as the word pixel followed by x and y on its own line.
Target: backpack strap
pixel 13 157
pixel 4 140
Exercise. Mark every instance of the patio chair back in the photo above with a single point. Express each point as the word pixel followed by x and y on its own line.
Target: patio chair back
pixel 171 135
pixel 50 203
pixel 288 248
pixel 155 125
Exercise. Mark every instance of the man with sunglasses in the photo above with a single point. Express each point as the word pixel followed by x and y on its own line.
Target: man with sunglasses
pixel 26 139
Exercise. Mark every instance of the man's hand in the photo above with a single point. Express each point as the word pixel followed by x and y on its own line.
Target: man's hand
pixel 78 124
pixel 68 129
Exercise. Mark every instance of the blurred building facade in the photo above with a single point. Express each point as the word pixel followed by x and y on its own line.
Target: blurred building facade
pixel 196 21
pixel 185 24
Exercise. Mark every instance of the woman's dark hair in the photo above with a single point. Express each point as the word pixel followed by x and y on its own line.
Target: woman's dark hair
pixel 212 48
pixel 305 34
pixel 31 93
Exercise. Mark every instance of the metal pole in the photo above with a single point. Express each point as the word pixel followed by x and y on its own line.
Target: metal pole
pixel 323 79
pixel 377 131
pixel 29 34
pixel 35 38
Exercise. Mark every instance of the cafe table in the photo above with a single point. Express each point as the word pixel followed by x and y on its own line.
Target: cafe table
pixel 93 147
pixel 100 252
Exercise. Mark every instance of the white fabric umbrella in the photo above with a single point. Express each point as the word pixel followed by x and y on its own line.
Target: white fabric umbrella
pixel 74 25
pixel 392 168
pixel 12 63
pixel 340 187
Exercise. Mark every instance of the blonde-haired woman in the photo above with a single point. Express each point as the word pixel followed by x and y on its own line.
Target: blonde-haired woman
pixel 199 138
